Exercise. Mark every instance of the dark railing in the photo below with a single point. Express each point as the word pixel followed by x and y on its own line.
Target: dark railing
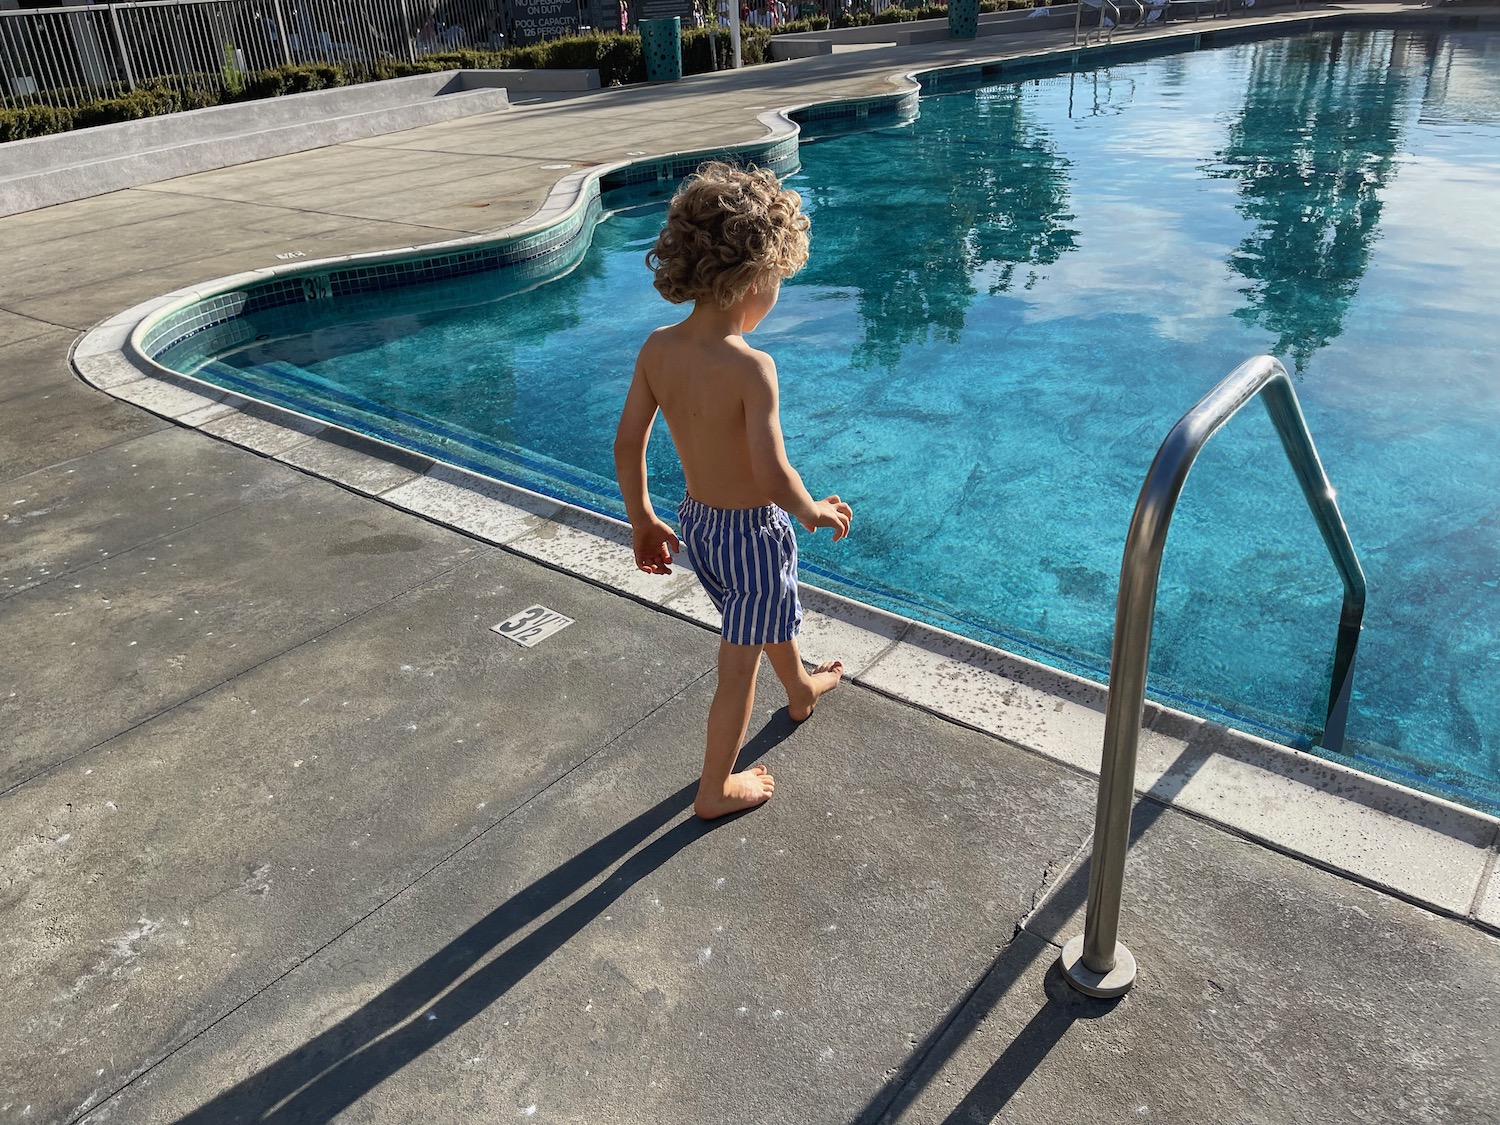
pixel 72 55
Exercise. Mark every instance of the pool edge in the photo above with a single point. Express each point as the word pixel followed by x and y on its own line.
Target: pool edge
pixel 1422 848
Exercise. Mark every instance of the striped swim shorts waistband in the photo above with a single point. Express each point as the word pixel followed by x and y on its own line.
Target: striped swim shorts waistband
pixel 730 519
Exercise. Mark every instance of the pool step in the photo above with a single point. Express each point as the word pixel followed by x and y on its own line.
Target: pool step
pixel 42 171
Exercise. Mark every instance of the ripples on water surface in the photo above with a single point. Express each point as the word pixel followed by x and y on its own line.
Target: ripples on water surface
pixel 1010 301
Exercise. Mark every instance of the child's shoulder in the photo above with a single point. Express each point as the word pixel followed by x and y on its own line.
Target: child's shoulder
pixel 674 346
pixel 664 337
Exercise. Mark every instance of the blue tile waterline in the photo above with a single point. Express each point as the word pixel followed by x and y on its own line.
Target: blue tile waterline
pixel 1096 302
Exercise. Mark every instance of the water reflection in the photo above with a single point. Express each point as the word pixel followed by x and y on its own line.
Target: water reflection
pixel 1463 84
pixel 1315 206
pixel 984 205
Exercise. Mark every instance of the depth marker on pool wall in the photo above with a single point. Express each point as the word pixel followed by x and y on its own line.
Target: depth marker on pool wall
pixel 532 626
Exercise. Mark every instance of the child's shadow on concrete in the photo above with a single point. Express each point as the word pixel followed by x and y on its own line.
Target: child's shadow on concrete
pixel 338 1066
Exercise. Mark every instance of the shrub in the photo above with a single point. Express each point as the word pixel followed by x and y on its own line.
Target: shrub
pixel 33 121
pixel 291 80
pixel 620 60
pixel 148 101
pixel 449 60
pixel 915 11
pixel 152 99
pixel 697 57
pixel 792 27
pixel 755 45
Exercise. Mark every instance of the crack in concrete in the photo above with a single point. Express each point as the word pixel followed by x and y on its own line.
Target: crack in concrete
pixel 37 320
pixel 6 481
pixel 447 232
pixel 1044 892
pixel 92 563
pixel 900 1080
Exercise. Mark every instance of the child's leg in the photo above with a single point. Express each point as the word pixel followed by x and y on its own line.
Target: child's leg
pixel 802 688
pixel 719 791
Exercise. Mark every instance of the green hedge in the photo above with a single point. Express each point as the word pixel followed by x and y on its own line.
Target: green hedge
pixel 295 80
pixel 617 58
pixel 150 100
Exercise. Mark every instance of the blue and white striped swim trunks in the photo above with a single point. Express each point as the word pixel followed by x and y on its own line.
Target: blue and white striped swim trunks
pixel 746 559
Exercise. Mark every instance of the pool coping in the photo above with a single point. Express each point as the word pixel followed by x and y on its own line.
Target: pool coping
pixel 1425 849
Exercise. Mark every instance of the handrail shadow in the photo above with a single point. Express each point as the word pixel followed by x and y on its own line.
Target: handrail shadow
pixel 1065 1006
pixel 1035 938
pixel 338 1066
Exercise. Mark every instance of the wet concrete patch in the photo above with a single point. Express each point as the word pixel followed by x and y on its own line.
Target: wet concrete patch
pixel 140 631
pixel 108 502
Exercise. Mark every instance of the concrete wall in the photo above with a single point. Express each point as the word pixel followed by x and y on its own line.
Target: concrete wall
pixel 42 171
pixel 535 81
pixel 785 47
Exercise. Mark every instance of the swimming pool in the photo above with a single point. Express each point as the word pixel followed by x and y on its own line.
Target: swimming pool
pixel 1010 300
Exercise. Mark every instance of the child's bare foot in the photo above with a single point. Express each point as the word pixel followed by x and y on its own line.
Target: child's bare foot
pixel 823 679
pixel 743 790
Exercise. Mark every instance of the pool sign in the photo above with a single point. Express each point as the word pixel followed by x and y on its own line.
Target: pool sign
pixel 666 9
pixel 532 21
pixel 532 626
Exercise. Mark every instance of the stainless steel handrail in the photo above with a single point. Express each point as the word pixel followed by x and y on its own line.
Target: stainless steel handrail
pixel 1096 962
pixel 1105 32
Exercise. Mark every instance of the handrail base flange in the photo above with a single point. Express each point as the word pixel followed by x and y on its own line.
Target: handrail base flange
pixel 1106 986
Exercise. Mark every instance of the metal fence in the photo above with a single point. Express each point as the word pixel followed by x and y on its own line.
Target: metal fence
pixel 71 56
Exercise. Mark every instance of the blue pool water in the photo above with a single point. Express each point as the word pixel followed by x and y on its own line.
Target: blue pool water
pixel 1010 301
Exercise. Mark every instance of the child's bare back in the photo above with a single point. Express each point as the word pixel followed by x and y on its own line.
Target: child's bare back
pixel 730 237
pixel 707 382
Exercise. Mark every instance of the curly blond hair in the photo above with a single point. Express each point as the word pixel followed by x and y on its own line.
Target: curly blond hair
pixel 728 228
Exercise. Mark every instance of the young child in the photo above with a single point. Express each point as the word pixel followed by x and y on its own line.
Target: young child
pixel 730 238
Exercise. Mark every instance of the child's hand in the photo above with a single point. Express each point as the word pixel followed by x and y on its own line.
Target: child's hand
pixel 650 544
pixel 831 512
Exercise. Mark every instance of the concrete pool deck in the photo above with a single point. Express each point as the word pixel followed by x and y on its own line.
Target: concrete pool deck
pixel 291 835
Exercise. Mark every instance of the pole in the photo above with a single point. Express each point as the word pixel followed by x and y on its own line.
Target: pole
pixel 406 32
pixel 286 47
pixel 114 20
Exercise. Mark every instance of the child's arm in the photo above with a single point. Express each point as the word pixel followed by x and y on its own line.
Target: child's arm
pixel 773 473
pixel 649 534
